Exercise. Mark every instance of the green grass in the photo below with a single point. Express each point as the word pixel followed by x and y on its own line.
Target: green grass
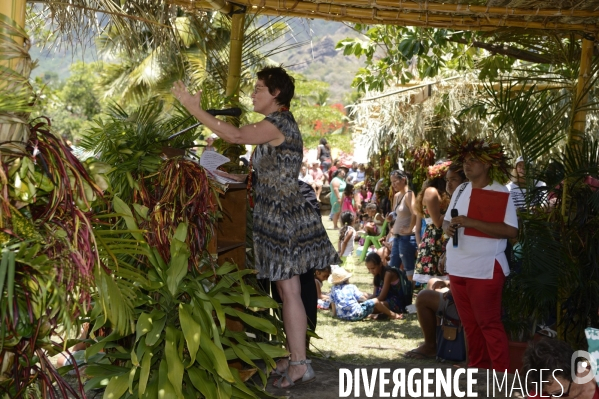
pixel 368 341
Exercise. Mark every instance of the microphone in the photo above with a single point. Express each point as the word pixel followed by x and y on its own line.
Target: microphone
pixel 454 213
pixel 213 112
pixel 225 112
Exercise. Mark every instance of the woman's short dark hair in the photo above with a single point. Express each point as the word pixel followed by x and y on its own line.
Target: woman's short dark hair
pixel 553 355
pixel 277 78
pixel 323 141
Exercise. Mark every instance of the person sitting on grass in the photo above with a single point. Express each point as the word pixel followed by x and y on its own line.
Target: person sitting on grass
pixel 374 220
pixel 345 297
pixel 387 284
pixel 320 276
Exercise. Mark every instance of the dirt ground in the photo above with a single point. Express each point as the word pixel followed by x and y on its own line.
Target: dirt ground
pixel 326 385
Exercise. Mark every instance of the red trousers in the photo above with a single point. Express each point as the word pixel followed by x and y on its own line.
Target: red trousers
pixel 479 305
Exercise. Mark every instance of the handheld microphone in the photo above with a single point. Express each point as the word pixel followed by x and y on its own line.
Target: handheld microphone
pixel 454 213
pixel 225 112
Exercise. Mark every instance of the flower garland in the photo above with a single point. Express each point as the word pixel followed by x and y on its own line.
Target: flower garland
pixel 485 150
pixel 438 170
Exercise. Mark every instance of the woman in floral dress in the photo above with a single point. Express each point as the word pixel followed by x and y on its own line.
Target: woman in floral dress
pixel 431 204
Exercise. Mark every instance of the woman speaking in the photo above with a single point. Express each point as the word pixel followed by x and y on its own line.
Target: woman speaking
pixel 289 238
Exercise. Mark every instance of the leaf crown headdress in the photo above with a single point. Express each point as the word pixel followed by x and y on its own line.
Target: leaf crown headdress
pixel 485 150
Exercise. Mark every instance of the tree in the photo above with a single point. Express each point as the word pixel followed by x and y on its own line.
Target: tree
pixel 313 115
pixel 400 54
pixel 74 103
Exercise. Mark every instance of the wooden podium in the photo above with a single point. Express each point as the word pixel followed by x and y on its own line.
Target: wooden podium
pixel 229 241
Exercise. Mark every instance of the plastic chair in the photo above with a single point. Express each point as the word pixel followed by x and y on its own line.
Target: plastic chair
pixel 373 240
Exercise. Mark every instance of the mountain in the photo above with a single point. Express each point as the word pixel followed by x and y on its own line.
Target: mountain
pixel 318 59
pixel 315 57
pixel 58 61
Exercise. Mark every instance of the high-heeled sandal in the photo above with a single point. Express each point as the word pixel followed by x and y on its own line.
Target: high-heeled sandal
pixel 308 376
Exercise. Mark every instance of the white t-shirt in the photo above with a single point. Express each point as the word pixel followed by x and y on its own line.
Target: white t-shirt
pixel 518 194
pixel 475 256
pixel 307 178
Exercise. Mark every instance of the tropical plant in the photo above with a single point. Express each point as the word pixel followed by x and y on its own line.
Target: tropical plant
pixel 49 255
pixel 558 277
pixel 183 337
pixel 164 290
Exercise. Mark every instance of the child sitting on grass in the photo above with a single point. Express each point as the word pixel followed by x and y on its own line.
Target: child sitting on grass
pixel 321 275
pixel 344 300
pixel 387 283
pixel 374 221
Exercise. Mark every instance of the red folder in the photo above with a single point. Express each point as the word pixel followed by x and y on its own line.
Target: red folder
pixel 488 206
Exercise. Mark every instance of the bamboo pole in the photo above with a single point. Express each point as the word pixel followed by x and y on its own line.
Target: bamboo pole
pixel 582 93
pixel 13 126
pixel 235 54
pixel 14 9
pixel 575 138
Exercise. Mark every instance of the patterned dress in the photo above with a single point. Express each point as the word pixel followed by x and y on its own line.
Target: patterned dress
pixel 430 250
pixel 289 238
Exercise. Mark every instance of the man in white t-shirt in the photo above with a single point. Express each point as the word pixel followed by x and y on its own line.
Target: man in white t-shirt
pixel 517 187
pixel 477 266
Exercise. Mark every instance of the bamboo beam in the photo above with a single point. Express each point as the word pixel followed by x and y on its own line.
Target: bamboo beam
pixel 337 12
pixel 235 54
pixel 474 9
pixel 216 5
pixel 495 86
pixel 462 9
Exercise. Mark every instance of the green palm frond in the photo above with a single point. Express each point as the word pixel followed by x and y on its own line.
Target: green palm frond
pixel 535 120
pixel 78 21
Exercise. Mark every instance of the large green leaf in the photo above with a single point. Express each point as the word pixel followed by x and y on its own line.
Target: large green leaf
pixel 165 388
pixel 145 372
pixel 116 387
pixel 175 365
pixel 123 209
pixel 217 359
pixel 191 330
pixel 253 321
pixel 203 382
pixel 179 259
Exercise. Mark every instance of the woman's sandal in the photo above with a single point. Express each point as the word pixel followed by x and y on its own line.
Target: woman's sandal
pixel 277 373
pixel 308 376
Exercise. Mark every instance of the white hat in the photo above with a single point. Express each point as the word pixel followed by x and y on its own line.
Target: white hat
pixel 340 275
pixel 518 160
pixel 316 161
